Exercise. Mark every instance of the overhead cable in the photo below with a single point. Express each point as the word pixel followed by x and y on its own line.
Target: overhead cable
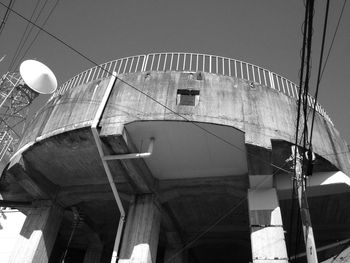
pixel 318 77
pixel 335 33
pixel 7 13
pixel 37 33
pixel 25 34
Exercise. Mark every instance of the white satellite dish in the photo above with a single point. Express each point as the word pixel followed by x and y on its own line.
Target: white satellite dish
pixel 38 76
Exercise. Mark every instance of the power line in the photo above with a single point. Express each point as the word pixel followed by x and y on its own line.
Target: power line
pixel 37 34
pixel 335 33
pixel 310 165
pixel 7 13
pixel 25 36
pixel 145 94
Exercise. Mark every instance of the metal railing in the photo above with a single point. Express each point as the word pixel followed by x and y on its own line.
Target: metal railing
pixel 121 66
pixel 192 62
pixel 5 142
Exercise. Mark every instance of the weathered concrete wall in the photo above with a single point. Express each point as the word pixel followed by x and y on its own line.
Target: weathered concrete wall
pixel 75 109
pixel 261 112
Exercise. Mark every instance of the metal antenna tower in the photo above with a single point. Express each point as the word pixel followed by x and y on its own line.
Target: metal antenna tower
pixel 15 97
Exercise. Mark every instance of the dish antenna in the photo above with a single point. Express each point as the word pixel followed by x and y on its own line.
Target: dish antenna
pixel 17 91
pixel 38 77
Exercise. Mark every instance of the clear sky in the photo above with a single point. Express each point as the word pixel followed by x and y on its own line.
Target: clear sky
pixel 266 33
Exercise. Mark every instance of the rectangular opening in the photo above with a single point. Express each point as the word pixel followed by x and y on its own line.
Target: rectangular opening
pixel 187 97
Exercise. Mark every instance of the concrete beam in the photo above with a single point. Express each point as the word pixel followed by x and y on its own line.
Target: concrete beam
pixel 175 188
pixel 261 181
pixel 258 158
pixel 8 195
pixel 38 186
pixel 138 174
pixel 72 195
pixel 321 183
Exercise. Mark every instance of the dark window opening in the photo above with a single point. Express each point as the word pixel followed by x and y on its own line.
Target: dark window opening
pixel 187 97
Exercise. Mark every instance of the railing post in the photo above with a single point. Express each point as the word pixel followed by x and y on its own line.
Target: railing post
pixel 210 64
pixel 144 63
pixel 271 80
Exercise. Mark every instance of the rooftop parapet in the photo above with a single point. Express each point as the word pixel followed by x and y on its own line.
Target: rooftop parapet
pixel 191 62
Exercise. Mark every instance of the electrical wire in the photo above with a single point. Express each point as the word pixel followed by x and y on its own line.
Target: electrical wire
pixel 317 86
pixel 7 13
pixel 320 76
pixel 142 92
pixel 15 61
pixel 335 33
pixel 37 34
pixel 24 36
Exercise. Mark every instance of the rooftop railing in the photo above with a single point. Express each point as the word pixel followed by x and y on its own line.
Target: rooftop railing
pixel 192 62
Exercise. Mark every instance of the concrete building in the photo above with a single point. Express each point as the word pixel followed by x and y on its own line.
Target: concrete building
pixel 211 184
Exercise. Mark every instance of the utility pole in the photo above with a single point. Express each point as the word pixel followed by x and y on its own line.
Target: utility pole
pixel 299 183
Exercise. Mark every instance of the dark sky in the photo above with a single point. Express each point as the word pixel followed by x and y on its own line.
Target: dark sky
pixel 266 33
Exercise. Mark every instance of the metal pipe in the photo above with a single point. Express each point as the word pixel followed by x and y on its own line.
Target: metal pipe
pixel 106 167
pixel 8 203
pixel 104 159
pixel 131 155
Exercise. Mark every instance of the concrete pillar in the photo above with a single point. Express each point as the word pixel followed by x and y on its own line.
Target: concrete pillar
pixel 94 251
pixel 141 235
pixel 93 255
pixel 267 234
pixel 38 234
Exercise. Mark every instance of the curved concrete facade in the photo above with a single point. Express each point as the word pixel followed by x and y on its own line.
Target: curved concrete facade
pixel 217 141
pixel 260 112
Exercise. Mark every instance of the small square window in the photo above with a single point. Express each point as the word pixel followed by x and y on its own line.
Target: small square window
pixel 187 97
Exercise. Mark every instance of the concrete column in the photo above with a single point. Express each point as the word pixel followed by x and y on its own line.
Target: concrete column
pixel 94 251
pixel 141 235
pixel 38 234
pixel 267 235
pixel 93 255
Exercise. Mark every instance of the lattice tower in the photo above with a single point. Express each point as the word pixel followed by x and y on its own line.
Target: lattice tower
pixel 15 97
